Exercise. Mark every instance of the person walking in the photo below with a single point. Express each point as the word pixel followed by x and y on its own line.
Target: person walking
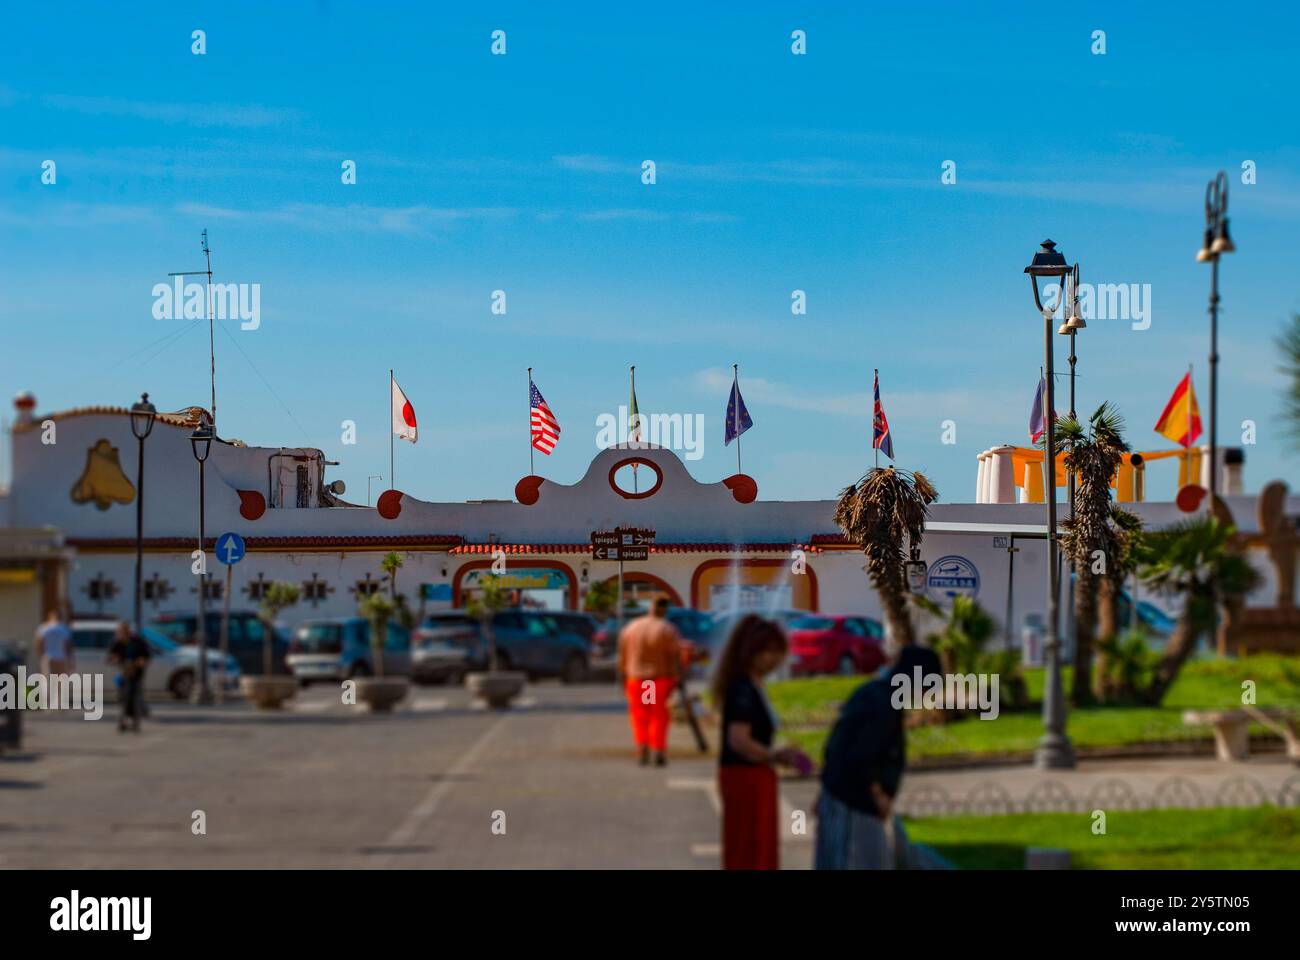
pixel 650 662
pixel 54 648
pixel 130 652
pixel 862 772
pixel 746 766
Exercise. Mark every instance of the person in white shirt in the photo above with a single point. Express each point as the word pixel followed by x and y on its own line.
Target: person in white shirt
pixel 54 645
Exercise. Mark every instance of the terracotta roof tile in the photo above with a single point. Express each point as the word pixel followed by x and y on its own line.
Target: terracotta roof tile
pixel 277 543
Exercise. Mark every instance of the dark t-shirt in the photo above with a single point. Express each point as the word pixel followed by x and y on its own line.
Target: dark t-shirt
pixel 125 653
pixel 865 746
pixel 744 704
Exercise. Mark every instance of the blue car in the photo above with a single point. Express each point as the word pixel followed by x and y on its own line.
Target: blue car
pixel 539 643
pixel 339 649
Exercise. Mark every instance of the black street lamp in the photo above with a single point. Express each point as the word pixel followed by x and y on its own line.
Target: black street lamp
pixel 1054 749
pixel 1217 241
pixel 1071 323
pixel 201 442
pixel 142 418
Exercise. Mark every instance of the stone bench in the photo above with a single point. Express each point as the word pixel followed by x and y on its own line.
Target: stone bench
pixel 1232 729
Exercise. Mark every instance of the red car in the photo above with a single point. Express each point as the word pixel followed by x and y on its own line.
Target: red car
pixel 843 645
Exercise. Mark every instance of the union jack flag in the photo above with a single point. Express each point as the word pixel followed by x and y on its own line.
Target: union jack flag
pixel 880 436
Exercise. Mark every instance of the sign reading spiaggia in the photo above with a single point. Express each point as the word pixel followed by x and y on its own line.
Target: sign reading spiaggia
pixel 622 543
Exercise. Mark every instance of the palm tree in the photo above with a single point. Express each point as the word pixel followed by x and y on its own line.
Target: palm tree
pixel 278 595
pixel 377 608
pixel 492 597
pixel 1128 528
pixel 1197 559
pixel 1288 344
pixel 1093 454
pixel 884 513
pixel 391 563
pixel 964 636
pixel 601 598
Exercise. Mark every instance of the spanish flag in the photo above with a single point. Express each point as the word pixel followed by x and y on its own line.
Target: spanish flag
pixel 1181 421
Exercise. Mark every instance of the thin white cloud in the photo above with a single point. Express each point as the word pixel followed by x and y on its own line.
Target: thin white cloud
pixel 192 114
pixel 983 408
pixel 413 219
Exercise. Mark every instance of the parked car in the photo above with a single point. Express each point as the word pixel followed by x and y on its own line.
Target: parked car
pixel 539 642
pixel 724 623
pixel 245 640
pixel 172 668
pixel 695 626
pixel 835 644
pixel 338 648
pixel 441 645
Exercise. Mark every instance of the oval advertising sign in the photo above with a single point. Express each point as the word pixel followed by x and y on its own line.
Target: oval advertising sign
pixel 952 576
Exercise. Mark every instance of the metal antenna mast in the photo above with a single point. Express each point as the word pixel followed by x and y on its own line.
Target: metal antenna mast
pixel 212 349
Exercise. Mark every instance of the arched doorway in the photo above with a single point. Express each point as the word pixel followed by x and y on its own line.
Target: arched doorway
pixel 642 589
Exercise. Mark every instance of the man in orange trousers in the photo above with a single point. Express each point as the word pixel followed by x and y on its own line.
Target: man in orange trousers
pixel 650 662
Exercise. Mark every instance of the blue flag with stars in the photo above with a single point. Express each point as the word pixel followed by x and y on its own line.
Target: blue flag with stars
pixel 737 416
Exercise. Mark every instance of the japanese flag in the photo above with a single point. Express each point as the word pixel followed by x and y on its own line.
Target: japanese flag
pixel 403 415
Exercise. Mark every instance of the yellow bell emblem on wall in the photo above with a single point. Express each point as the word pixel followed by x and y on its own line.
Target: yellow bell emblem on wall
pixel 103 480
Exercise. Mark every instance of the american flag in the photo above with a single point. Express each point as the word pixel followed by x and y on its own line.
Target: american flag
pixel 546 429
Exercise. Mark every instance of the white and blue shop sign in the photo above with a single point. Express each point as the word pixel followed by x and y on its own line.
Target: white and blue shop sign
pixel 951 577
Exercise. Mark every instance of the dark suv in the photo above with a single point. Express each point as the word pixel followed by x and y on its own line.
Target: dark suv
pixel 541 643
pixel 246 636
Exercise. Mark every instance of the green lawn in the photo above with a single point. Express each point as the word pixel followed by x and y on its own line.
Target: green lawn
pixel 1211 839
pixel 807 708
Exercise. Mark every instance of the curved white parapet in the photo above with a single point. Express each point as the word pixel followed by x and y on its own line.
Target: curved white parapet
pixel 1001 475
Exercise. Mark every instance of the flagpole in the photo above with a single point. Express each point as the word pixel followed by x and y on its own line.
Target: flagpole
pixel 392 484
pixel 1187 441
pixel 530 421
pixel 632 373
pixel 735 414
pixel 1048 489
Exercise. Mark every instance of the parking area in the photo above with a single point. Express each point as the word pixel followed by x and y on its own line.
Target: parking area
pixel 439 783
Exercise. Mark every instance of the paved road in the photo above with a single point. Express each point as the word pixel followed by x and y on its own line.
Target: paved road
pixel 325 785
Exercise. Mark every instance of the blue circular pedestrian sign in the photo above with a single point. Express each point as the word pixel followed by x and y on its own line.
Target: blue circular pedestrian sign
pixel 230 548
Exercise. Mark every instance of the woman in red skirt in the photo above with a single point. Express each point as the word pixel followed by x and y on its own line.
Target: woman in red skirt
pixel 746 775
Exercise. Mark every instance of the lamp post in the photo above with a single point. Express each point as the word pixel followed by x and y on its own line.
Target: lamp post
pixel 201 442
pixel 1217 241
pixel 1071 323
pixel 1054 749
pixel 142 417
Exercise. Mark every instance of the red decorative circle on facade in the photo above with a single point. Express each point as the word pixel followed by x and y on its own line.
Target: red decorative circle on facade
pixel 526 490
pixel 1189 497
pixel 251 504
pixel 742 487
pixel 390 504
pixel 640 462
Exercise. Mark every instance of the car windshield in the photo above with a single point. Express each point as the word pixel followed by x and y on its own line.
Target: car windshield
pixel 448 623
pixel 319 638
pixel 811 623
pixel 177 630
pixel 160 642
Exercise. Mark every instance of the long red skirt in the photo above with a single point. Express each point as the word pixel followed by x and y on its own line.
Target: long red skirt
pixel 750 835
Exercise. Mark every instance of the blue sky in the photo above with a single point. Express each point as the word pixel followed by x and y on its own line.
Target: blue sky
pixel 522 173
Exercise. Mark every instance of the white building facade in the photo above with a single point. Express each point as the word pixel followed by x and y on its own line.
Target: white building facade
pixel 717 547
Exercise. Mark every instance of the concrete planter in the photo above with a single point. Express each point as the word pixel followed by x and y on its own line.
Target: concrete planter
pixel 268 693
pixel 496 689
pixel 381 694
